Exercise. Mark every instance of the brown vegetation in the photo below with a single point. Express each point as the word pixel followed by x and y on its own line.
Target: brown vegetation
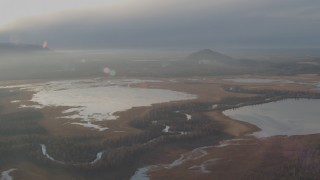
pixel 143 141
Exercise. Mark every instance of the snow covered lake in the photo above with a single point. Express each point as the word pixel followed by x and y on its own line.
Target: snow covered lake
pixel 259 80
pixel 97 99
pixel 287 117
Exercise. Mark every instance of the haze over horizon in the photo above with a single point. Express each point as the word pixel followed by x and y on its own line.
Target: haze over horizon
pixel 157 24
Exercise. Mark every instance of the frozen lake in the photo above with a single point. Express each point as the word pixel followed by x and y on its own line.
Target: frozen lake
pixel 97 99
pixel 259 80
pixel 287 117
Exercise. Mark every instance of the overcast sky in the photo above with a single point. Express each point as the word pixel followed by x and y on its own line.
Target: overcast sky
pixel 161 23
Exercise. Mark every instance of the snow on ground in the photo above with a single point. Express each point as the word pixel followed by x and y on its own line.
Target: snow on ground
pixel 195 154
pixel 202 168
pixel 189 116
pixel 5 175
pixel 166 129
pixel 44 152
pixel 92 100
pixel 259 80
pixel 214 106
pixel 88 124
pixel 98 158
pixel 141 174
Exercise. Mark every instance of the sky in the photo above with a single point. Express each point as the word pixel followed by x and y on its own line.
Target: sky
pixel 98 24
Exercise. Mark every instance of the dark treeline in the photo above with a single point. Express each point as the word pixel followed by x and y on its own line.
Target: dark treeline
pixel 170 113
pixel 19 123
pixel 21 134
pixel 303 164
pixel 128 149
pixel 269 92
pixel 149 134
pixel 261 96
pixel 6 93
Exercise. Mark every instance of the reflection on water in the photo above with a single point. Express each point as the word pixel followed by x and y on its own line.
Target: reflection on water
pixel 288 117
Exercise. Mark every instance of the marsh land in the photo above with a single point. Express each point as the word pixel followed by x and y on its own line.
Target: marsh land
pixel 241 125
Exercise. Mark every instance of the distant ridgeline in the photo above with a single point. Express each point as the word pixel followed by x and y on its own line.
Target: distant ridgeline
pixel 208 62
pixel 208 56
pixel 27 61
pixel 21 48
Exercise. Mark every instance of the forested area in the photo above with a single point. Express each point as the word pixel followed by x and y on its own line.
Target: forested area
pixel 261 96
pixel 21 134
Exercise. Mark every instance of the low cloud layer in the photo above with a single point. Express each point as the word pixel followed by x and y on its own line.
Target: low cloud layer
pixel 182 23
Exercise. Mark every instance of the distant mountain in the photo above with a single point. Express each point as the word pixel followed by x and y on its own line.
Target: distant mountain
pixel 20 48
pixel 208 56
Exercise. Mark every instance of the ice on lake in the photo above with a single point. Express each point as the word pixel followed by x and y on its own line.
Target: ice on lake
pixel 97 99
pixel 287 117
pixel 259 80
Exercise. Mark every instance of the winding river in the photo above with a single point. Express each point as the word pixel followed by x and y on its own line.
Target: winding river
pixel 286 117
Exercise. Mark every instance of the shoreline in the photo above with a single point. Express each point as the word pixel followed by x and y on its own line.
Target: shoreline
pixel 233 127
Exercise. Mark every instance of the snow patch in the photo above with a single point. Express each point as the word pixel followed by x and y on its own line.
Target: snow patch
pixel 189 116
pixel 231 142
pixel 5 175
pixel 166 129
pixel 141 174
pixel 214 106
pixel 98 158
pixel 202 168
pixel 189 156
pixel 15 101
pixel 259 80
pixel 90 125
pixel 31 106
pixel 192 155
pixel 44 152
